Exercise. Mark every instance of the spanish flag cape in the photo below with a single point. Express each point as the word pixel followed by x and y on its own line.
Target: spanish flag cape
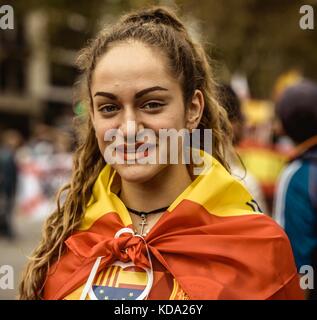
pixel 210 239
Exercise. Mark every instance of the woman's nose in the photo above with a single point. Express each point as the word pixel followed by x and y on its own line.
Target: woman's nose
pixel 131 123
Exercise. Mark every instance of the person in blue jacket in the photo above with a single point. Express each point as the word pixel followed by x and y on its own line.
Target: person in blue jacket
pixel 296 198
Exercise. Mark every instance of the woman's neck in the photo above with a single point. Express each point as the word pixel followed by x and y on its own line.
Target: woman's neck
pixel 159 192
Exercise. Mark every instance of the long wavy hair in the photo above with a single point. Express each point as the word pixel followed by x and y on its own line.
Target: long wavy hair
pixel 188 61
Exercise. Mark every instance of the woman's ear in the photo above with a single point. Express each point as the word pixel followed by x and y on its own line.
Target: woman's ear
pixel 195 110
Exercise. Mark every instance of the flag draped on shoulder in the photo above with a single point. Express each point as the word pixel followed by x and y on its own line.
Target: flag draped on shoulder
pixel 212 239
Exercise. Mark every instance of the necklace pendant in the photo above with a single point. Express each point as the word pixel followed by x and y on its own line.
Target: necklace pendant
pixel 143 224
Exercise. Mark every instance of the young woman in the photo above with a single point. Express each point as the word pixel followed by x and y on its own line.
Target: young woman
pixel 155 231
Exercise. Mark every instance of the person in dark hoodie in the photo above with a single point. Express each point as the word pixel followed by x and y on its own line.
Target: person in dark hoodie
pixel 296 197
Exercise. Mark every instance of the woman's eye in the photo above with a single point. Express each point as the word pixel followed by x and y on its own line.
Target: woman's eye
pixel 109 108
pixel 152 105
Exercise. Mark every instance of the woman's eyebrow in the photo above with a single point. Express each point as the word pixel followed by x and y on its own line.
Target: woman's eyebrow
pixel 147 90
pixel 136 96
pixel 106 94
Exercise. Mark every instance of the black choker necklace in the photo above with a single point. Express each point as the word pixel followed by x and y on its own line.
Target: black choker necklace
pixel 143 216
pixel 143 213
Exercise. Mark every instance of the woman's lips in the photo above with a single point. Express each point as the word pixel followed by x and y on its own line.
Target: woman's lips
pixel 132 152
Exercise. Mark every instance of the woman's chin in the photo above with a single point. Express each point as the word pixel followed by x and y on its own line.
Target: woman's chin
pixel 138 173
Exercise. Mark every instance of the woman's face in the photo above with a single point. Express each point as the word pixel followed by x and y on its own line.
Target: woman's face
pixel 131 86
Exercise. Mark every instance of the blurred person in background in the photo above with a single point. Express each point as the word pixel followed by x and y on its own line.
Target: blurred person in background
pixel 45 163
pixel 296 197
pixel 231 103
pixel 10 141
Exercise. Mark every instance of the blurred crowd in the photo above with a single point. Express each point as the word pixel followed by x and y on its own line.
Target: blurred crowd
pixel 32 171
